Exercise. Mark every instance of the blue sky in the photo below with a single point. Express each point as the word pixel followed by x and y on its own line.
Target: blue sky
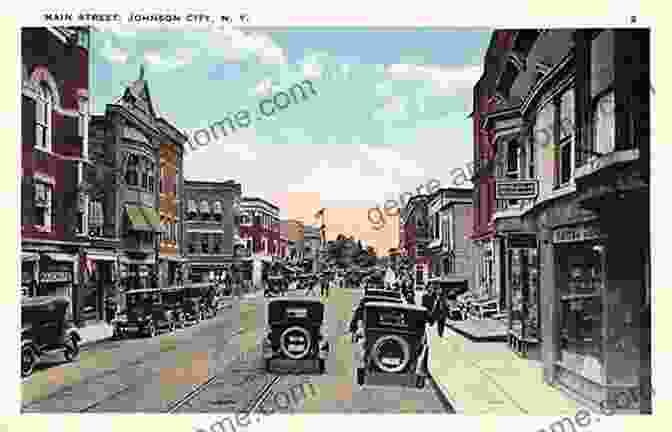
pixel 390 111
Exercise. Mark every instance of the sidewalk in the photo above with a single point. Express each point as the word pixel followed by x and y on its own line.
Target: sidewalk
pixel 480 330
pixel 483 378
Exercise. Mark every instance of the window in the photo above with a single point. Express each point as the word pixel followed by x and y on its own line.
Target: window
pixel 150 177
pixel 132 170
pixel 564 125
pixel 582 270
pixel 145 172
pixel 43 204
pixel 531 154
pixel 83 39
pixel 161 182
pixel 218 244
pixel 604 123
pixel 257 219
pixel 245 219
pixel 43 109
pixel 83 129
pixel 437 225
pixel 204 243
pixel 512 160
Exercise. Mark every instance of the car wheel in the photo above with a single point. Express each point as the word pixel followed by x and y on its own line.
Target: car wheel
pixel 71 350
pixel 28 360
pixel 285 344
pixel 396 345
pixel 322 365
pixel 360 376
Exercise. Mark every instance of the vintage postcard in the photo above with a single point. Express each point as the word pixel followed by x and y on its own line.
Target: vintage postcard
pixel 222 217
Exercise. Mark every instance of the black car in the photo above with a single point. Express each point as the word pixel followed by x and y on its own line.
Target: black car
pixel 296 331
pixel 144 314
pixel 393 341
pixel 357 312
pixel 45 328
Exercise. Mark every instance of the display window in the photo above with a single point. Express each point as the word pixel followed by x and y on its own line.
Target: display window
pixel 581 284
pixel 524 285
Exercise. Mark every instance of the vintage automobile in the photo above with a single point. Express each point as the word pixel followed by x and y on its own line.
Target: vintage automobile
pixel 393 341
pixel 358 311
pixel 173 299
pixel 144 314
pixel 296 332
pixel 45 328
pixel 383 293
pixel 195 305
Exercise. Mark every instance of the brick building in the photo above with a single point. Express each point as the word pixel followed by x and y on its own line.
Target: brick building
pixel 54 111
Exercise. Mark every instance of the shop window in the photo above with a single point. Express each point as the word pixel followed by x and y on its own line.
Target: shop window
pixel 581 268
pixel 43 126
pixel 43 205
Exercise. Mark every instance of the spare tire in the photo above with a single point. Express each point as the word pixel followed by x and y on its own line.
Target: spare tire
pixel 391 353
pixel 295 342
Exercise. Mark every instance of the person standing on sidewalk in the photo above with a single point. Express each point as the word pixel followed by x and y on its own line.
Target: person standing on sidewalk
pixel 440 312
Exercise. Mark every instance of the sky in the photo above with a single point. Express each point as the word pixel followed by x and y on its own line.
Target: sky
pixel 388 112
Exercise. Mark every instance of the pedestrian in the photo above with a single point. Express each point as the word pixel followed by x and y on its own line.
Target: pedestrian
pixel 440 312
pixel 428 301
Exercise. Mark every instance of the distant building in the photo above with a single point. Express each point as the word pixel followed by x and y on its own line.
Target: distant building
pixel 260 230
pixel 211 230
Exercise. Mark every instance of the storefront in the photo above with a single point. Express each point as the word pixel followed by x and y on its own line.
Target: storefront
pixel 98 283
pixel 135 273
pixel 522 273
pixel 171 267
pixel 57 276
pixel 580 253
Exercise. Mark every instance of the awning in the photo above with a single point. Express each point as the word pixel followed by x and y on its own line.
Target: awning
pixel 61 257
pixel 29 256
pixel 152 218
pixel 137 218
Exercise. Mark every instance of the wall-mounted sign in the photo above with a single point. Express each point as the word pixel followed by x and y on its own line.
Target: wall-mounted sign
pixel 57 276
pixel 577 233
pixel 516 189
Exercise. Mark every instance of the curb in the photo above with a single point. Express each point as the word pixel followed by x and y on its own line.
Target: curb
pixel 472 338
pixel 444 395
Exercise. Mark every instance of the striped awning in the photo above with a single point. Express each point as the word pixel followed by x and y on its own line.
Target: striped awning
pixel 137 219
pixel 152 218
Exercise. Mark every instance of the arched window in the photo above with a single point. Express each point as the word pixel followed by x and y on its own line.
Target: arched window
pixel 132 170
pixel 43 107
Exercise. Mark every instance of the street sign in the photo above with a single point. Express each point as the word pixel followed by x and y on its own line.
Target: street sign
pixel 516 189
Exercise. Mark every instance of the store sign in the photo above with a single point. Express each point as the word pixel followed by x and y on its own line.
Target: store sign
pixel 517 189
pixel 59 276
pixel 576 233
pixel 522 241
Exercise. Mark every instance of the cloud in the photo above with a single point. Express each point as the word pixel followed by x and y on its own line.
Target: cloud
pixel 238 46
pixel 182 57
pixel 391 161
pixel 113 54
pixel 445 81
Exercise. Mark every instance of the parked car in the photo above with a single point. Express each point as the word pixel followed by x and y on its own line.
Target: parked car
pixel 393 341
pixel 296 331
pixel 358 311
pixel 45 328
pixel 173 299
pixel 144 314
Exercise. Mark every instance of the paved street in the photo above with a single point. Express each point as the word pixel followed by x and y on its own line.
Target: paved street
pixel 163 374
